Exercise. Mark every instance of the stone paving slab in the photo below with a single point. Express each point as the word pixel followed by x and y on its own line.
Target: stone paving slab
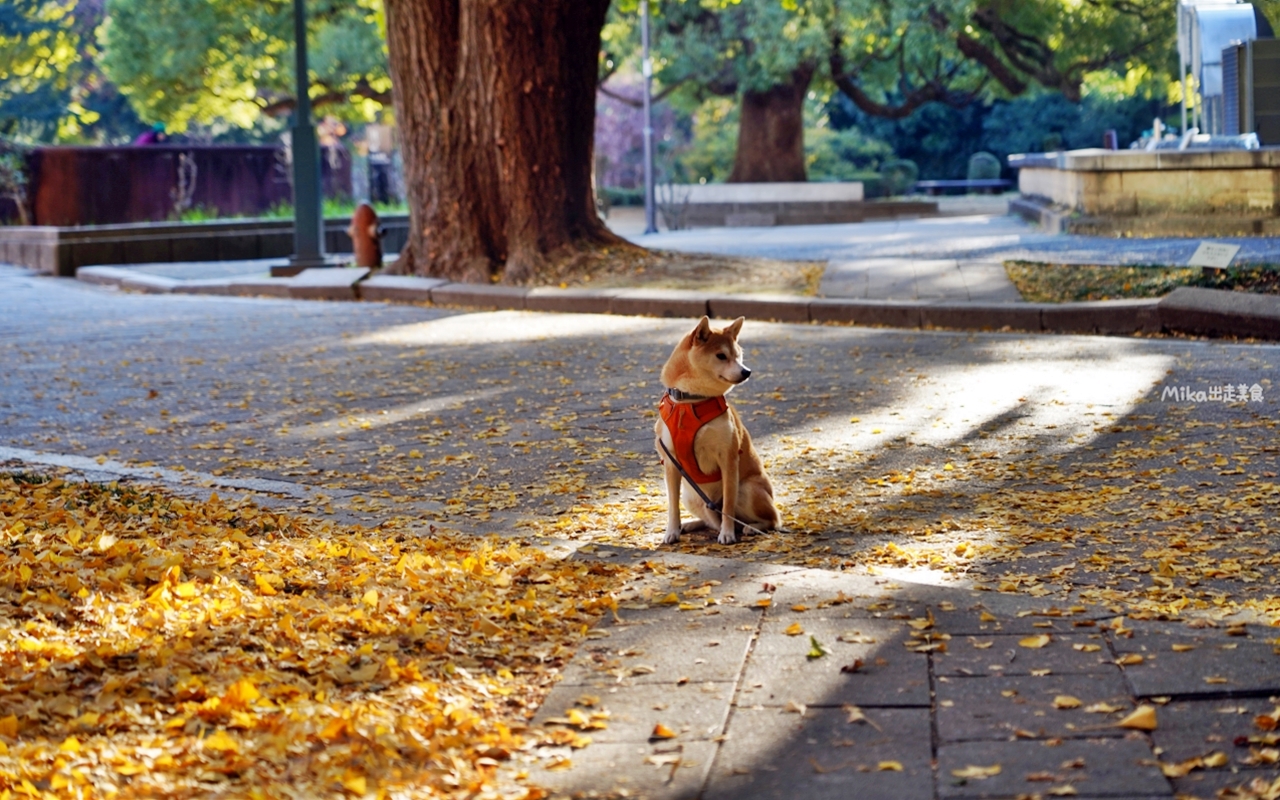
pixel 1002 655
pixel 1205 784
pixel 666 646
pixel 1092 767
pixel 834 594
pixel 989 283
pixel 999 707
pixel 1217 664
pixel 328 283
pixel 779 671
pixel 644 772
pixel 693 711
pixel 1190 728
pixel 822 756
pixel 994 614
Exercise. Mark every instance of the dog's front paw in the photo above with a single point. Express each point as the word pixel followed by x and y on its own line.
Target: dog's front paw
pixel 727 537
pixel 672 537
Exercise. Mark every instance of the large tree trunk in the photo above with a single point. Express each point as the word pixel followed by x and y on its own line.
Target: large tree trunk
pixel 495 100
pixel 771 133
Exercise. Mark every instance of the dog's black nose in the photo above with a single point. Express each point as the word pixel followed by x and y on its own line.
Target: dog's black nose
pixel 746 373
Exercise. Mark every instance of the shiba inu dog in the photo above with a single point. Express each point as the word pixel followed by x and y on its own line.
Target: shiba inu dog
pixel 699 429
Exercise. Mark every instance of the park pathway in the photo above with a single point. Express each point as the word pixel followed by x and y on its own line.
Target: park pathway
pixel 1010 541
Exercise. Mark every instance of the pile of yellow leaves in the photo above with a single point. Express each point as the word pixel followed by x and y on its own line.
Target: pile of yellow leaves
pixel 155 646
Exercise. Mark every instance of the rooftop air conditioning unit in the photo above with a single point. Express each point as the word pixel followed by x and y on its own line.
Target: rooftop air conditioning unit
pixel 1251 89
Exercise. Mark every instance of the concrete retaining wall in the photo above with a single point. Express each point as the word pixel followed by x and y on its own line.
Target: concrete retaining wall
pixel 60 251
pixel 1171 192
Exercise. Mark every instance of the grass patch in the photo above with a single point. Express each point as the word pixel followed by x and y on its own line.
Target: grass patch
pixel 1040 282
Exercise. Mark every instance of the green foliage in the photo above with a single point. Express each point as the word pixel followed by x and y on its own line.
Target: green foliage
pixel 983 166
pixel 842 155
pixel 235 58
pixel 14 178
pixel 723 48
pixel 941 139
pixel 898 176
pixel 709 155
pixel 331 208
pixel 50 89
pixel 830 154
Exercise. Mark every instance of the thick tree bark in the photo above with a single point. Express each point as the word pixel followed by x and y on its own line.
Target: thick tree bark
pixel 771 133
pixel 495 100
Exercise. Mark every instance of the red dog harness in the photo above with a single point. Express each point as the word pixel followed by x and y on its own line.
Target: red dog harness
pixel 683 420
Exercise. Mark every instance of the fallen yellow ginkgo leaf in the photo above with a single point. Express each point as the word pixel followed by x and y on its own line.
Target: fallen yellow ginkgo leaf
pixel 794 629
pixel 1102 708
pixel 1142 718
pixel 1216 759
pixel 1035 642
pixel 661 731
pixel 221 742
pixel 972 772
pixel 889 766
pixel 1066 701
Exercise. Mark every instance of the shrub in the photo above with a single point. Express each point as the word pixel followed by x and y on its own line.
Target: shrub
pixel 898 176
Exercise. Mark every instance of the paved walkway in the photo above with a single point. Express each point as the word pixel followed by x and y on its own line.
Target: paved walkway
pixel 923 693
pixel 1059 460
pixel 955 258
pixel 949 259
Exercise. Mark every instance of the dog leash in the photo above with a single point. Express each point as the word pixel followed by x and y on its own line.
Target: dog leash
pixel 714 505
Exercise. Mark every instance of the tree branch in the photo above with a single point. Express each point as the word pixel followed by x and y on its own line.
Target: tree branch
pixel 637 102
pixel 912 98
pixel 362 89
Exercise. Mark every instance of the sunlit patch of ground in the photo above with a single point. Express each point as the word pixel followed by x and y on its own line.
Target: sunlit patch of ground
pixel 627 266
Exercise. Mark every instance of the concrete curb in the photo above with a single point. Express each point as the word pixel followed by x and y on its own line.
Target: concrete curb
pixel 1186 310
pixel 1217 312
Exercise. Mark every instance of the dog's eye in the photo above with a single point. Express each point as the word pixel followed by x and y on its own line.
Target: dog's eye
pixel 722 356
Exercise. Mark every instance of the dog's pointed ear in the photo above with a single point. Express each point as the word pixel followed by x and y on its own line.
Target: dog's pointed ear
pixel 735 327
pixel 702 331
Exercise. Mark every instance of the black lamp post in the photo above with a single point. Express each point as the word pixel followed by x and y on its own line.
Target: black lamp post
pixel 308 222
pixel 646 68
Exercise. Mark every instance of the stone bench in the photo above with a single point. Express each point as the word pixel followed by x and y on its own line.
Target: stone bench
pixel 985 185
pixel 714 205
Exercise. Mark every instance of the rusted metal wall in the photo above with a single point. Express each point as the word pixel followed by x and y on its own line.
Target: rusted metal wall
pixel 104 185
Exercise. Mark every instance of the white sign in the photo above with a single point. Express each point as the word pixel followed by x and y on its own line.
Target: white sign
pixel 1213 254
